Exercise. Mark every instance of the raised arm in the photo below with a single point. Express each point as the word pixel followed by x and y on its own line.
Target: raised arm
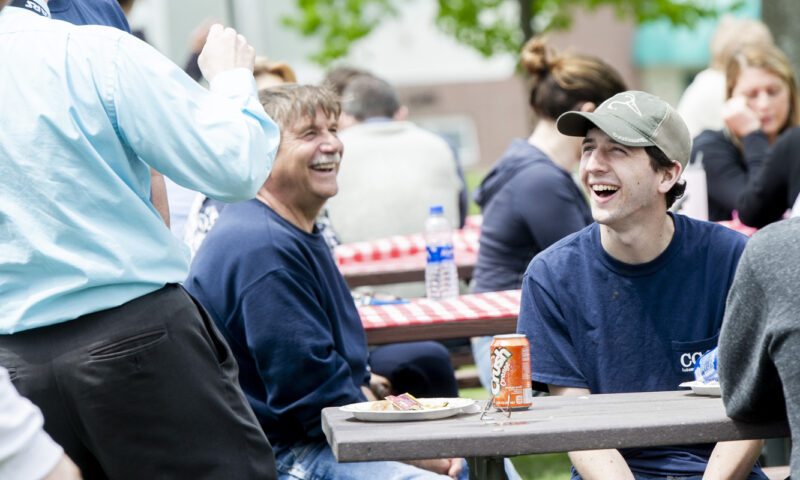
pixel 218 141
pixel 765 196
pixel 727 174
pixel 595 464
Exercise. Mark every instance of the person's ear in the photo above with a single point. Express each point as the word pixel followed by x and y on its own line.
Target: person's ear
pixel 588 107
pixel 401 114
pixel 669 176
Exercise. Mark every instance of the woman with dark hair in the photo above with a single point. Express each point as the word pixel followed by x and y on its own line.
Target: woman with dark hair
pixel 529 198
pixel 762 104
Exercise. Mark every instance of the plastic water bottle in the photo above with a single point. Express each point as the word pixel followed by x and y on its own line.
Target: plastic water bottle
pixel 705 369
pixel 441 276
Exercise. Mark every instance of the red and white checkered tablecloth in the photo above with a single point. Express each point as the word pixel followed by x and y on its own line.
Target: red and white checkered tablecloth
pixel 737 225
pixel 465 244
pixel 421 310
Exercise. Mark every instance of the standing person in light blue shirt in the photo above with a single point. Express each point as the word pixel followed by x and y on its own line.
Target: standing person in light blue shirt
pixel 132 377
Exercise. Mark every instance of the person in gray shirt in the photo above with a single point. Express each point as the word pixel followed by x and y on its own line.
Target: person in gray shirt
pixel 759 344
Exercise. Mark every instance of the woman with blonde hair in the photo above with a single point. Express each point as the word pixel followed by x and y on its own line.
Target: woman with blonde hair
pixel 529 198
pixel 762 103
pixel 269 73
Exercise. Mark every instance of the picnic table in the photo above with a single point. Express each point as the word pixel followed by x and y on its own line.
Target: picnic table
pixel 490 313
pixel 402 258
pixel 552 424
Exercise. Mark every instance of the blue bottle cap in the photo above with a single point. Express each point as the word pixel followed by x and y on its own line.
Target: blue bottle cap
pixel 436 209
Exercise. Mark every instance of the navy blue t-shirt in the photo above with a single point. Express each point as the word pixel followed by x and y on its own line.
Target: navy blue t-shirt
pixel 528 204
pixel 277 296
pixel 89 12
pixel 595 322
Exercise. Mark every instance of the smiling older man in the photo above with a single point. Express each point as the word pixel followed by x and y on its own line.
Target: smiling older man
pixel 272 286
pixel 625 304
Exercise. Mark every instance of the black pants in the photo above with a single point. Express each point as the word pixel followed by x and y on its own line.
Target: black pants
pixel 422 369
pixel 148 389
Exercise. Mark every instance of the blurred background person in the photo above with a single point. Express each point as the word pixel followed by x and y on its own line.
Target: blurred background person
pixel 761 93
pixel 269 73
pixel 529 198
pixel 701 102
pixel 773 185
pixel 392 170
pixel 337 78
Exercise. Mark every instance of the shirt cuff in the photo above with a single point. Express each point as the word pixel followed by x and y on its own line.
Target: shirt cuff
pixel 35 460
pixel 238 81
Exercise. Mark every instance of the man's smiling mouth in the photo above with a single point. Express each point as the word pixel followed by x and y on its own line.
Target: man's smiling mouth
pixel 604 190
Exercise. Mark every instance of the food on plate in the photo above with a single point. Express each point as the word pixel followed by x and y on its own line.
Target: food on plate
pixel 381 406
pixel 404 402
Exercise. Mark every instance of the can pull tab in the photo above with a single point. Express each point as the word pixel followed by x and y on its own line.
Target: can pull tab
pixel 490 402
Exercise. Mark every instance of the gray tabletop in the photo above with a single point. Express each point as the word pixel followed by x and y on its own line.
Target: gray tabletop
pixel 552 424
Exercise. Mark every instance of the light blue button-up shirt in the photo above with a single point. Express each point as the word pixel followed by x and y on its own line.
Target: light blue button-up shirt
pixel 84 112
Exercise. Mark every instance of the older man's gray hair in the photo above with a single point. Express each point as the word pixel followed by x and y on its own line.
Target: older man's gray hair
pixel 287 103
pixel 367 96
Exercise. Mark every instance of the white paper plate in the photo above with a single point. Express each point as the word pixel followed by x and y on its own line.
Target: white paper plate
pixel 454 406
pixel 711 388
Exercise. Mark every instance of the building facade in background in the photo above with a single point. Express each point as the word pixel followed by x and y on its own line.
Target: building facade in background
pixel 478 104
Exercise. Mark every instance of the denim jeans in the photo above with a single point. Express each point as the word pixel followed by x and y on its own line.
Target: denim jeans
pixel 315 461
pixel 642 476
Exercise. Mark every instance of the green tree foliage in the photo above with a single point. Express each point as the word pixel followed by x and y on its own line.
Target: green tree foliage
pixel 488 26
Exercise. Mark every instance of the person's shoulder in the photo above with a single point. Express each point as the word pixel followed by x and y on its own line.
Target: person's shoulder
pixel 777 238
pixel 710 234
pixel 245 229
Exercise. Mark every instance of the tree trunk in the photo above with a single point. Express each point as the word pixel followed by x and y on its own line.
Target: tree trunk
pixel 783 19
pixel 525 18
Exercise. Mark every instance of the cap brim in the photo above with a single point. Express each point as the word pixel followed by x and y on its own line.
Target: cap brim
pixel 576 124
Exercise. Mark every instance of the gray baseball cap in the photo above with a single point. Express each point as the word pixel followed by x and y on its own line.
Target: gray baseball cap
pixel 635 119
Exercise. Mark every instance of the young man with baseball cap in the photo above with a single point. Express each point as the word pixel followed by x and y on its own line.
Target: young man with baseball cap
pixel 629 302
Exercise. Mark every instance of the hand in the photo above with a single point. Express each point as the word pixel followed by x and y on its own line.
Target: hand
pixel 380 385
pixel 224 50
pixel 443 466
pixel 64 470
pixel 739 118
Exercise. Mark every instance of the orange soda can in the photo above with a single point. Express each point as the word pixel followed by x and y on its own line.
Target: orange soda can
pixel 511 372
